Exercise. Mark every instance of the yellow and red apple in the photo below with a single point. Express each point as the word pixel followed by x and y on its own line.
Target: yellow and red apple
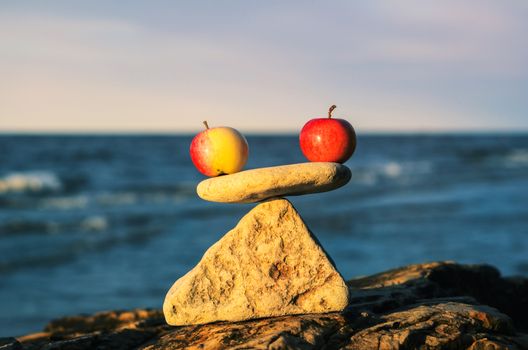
pixel 328 139
pixel 219 151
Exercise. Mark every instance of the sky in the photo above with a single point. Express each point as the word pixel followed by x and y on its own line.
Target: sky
pixel 263 66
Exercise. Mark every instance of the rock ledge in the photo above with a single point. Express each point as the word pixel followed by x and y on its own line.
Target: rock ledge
pixel 428 306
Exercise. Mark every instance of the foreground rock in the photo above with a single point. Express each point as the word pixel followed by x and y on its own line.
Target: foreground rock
pixel 287 180
pixel 268 265
pixel 428 306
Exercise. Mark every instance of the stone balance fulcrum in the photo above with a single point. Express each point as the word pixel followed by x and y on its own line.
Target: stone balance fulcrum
pixel 270 264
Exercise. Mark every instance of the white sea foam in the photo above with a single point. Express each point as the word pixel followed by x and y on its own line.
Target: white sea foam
pixel 391 170
pixel 109 199
pixel 120 198
pixel 94 223
pixel 30 181
pixel 65 203
pixel 517 158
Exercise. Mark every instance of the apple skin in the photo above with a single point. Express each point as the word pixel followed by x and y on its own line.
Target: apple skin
pixel 219 151
pixel 327 140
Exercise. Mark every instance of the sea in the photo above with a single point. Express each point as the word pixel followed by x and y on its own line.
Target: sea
pixel 98 222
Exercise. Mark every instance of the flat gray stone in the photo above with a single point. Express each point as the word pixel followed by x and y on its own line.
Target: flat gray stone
pixel 270 264
pixel 286 180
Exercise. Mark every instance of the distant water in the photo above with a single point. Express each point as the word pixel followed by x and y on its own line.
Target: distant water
pixel 89 223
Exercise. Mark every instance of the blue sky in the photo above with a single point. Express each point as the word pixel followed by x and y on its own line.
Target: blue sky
pixel 263 66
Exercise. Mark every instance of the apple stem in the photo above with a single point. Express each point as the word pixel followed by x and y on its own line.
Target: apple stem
pixel 330 110
pixel 206 125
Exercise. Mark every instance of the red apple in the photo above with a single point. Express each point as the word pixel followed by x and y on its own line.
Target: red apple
pixel 328 139
pixel 219 151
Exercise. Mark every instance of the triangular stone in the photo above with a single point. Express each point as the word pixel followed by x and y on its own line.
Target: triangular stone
pixel 270 264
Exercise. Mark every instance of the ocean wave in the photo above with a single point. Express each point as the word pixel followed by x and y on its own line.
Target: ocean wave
pixel 141 196
pixel 60 253
pixel 94 223
pixel 66 202
pixel 516 158
pixel 392 170
pixel 118 198
pixel 30 181
pixel 18 227
pixel 500 157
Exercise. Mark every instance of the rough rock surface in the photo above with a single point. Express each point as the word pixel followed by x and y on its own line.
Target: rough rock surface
pixel 286 180
pixel 427 306
pixel 268 265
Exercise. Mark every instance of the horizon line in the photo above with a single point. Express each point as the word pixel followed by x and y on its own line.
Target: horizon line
pixel 92 132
